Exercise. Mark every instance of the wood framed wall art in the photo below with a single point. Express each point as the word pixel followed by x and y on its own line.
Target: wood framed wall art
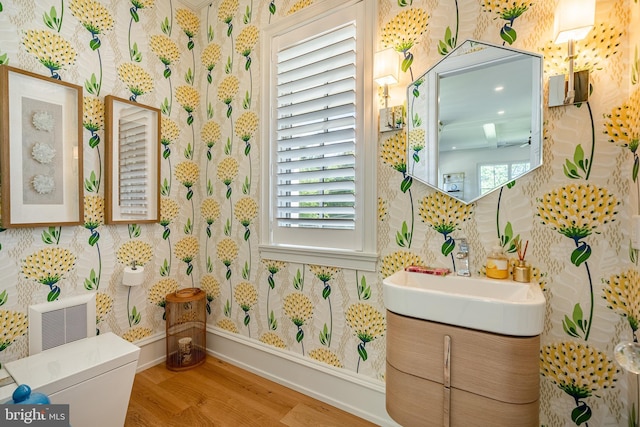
pixel 40 150
pixel 132 161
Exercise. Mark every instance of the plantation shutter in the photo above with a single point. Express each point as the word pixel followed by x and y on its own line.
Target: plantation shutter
pixel 316 131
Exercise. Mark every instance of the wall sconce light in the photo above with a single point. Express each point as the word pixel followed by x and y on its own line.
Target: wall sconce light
pixel 386 68
pixel 573 20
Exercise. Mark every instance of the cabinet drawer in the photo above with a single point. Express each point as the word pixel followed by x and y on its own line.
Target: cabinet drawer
pixel 500 367
pixel 413 401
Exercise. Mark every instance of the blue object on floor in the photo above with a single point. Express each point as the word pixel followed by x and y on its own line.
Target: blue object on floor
pixel 23 395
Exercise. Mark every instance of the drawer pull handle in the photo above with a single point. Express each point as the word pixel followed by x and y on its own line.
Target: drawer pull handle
pixel 446 413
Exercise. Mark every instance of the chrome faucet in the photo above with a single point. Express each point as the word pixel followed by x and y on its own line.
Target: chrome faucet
pixel 463 256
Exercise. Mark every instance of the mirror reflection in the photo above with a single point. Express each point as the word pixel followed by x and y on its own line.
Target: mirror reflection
pixel 475 120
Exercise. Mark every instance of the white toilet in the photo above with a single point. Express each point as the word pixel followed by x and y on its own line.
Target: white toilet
pixel 93 375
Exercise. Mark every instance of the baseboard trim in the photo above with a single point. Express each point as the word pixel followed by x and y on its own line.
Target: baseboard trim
pixel 153 350
pixel 350 392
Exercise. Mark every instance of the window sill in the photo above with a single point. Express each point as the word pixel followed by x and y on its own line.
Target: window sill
pixel 365 261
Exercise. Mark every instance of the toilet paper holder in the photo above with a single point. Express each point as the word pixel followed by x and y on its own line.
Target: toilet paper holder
pixel 133 276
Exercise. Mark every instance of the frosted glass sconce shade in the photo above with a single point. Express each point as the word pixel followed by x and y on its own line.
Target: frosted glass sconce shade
pixel 573 20
pixel 386 67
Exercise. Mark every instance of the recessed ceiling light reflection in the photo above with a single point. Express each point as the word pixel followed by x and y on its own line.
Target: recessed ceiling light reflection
pixel 499 88
pixel 501 112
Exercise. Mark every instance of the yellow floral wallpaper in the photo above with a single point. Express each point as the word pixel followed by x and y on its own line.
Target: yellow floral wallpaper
pixel 202 69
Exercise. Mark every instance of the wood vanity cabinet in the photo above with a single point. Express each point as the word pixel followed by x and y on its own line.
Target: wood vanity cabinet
pixel 491 380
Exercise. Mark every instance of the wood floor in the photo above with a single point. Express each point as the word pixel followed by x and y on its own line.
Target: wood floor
pixel 220 394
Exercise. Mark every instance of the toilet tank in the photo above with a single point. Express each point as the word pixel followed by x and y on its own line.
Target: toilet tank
pixel 94 376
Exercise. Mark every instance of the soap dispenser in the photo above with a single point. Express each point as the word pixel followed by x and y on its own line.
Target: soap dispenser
pixel 497 263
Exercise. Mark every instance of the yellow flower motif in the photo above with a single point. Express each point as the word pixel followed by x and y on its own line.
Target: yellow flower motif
pixel 506 9
pixel 273 266
pixel 188 21
pixel 210 56
pixel 576 210
pixel 394 152
pixel 246 125
pixel 169 210
pixel 622 294
pixel 324 273
pixel 13 324
pixel 398 261
pixel 92 15
pixel 417 139
pixel 382 209
pixel 299 5
pixel 245 295
pixel 227 325
pixel 273 339
pixel 186 249
pixel 187 173
pixel 48 265
pixel 246 210
pixel 169 131
pixel 227 251
pixel 622 125
pixel 93 113
pixel 50 49
pixel 247 40
pixel 165 49
pixel 228 88
pixel 210 286
pixel 405 29
pixel 298 307
pixel 210 210
pixel 227 10
pixel 326 356
pixel 367 322
pixel 136 334
pixel 227 170
pixel 93 212
pixel 162 288
pixel 187 97
pixel 104 304
pixel 135 78
pixel 577 369
pixel 210 133
pixel 443 213
pixel 134 251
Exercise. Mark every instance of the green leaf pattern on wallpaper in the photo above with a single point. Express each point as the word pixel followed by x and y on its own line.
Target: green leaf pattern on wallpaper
pixel 210 57
pixel 509 11
pixel 367 324
pixel 325 275
pixel 210 211
pixel 392 153
pixel 299 309
pixel 246 297
pixel 48 266
pixel 403 31
pixel 96 19
pixel 273 267
pixel 346 325
pixel 444 214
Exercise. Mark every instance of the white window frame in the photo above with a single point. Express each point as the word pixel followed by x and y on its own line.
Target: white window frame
pixel 362 253
pixel 509 165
